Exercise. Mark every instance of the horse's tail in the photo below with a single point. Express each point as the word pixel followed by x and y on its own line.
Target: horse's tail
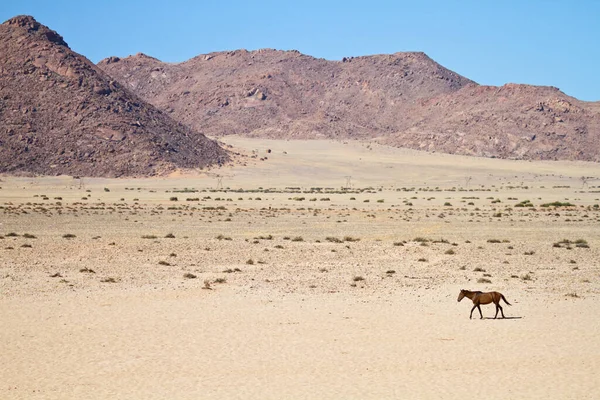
pixel 504 298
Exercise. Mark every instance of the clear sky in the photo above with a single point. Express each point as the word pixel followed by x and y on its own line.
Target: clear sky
pixel 492 42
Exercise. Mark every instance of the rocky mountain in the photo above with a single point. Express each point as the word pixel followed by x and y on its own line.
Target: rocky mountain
pixel 402 99
pixel 284 93
pixel 60 114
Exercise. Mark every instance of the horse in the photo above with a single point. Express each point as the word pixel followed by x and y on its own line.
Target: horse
pixel 483 298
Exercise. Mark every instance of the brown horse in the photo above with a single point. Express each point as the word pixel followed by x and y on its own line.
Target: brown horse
pixel 483 298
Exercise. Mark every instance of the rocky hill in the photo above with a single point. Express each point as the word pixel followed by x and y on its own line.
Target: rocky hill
pixel 402 99
pixel 511 121
pixel 272 93
pixel 60 114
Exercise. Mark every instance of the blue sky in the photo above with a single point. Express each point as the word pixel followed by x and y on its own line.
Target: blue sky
pixel 548 42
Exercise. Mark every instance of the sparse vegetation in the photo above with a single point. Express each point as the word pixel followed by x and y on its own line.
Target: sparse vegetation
pixel 557 204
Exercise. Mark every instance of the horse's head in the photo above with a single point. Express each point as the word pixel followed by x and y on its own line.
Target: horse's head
pixel 461 295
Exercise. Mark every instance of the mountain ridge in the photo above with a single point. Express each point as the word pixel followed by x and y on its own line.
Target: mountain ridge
pixel 404 99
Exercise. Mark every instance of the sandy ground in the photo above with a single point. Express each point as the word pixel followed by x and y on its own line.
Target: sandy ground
pixel 302 289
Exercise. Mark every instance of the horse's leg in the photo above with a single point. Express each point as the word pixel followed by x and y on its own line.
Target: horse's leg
pixel 501 311
pixel 471 316
pixel 497 305
pixel 480 313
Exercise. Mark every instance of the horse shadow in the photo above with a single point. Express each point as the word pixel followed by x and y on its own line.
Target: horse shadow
pixel 500 319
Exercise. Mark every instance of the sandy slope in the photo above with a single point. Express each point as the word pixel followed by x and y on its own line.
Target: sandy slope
pixel 295 322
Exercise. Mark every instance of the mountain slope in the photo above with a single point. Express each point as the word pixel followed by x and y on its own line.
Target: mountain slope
pixel 60 114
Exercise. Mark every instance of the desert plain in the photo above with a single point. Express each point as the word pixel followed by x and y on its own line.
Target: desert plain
pixel 306 270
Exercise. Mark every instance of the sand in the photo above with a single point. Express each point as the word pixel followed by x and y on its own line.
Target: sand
pixel 313 293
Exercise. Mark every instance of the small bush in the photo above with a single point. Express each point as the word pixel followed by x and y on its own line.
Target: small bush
pixel 189 275
pixel 450 251
pixel 478 269
pixel 358 279
pixel 483 280
pixel 149 237
pixel 170 236
pixel 269 237
pixel 68 236
pixel 29 236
